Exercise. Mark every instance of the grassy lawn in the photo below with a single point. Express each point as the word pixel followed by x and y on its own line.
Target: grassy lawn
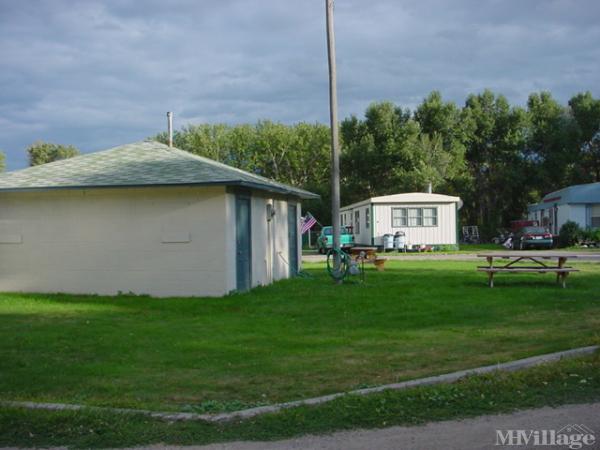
pixel 474 248
pixel 568 381
pixel 298 338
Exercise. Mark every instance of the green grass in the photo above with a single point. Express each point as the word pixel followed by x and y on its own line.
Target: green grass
pixel 568 381
pixel 474 248
pixel 298 338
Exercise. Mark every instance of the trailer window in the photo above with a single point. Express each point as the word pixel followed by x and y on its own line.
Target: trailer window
pixel 415 217
pixel 595 216
pixel 399 217
pixel 430 217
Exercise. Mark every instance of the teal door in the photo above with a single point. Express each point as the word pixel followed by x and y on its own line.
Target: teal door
pixel 293 239
pixel 243 244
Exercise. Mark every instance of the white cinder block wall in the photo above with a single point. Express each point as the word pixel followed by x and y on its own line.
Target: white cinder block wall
pixel 158 241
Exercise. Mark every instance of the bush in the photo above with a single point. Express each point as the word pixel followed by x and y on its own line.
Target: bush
pixel 570 234
pixel 591 235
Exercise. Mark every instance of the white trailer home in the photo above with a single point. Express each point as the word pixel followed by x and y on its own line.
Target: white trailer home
pixel 579 203
pixel 425 219
pixel 148 219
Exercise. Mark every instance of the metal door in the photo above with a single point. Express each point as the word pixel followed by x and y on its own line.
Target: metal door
pixel 292 215
pixel 243 244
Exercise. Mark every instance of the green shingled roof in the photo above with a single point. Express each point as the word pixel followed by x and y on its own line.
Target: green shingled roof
pixel 146 163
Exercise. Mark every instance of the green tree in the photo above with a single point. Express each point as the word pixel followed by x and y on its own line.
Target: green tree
pixel 590 160
pixel 392 151
pixel 586 114
pixel 436 164
pixel 44 152
pixel 442 138
pixel 495 138
pixel 442 118
pixel 2 161
pixel 552 144
pixel 379 152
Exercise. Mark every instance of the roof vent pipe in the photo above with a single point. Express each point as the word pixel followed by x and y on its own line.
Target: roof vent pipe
pixel 429 188
pixel 170 127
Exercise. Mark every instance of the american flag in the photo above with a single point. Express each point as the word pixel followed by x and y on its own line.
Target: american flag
pixel 308 222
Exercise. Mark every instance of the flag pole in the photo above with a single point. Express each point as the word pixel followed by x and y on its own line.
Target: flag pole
pixel 335 150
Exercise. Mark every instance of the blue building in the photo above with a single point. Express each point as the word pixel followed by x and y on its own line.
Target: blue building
pixel 579 203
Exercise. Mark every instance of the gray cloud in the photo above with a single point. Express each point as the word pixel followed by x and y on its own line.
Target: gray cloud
pixel 100 73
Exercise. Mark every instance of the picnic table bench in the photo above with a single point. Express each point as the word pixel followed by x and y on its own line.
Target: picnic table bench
pixel 536 258
pixel 368 255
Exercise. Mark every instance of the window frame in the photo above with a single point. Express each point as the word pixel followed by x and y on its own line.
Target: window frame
pixel 402 217
pixel 356 228
pixel 595 209
pixel 419 218
pixel 434 216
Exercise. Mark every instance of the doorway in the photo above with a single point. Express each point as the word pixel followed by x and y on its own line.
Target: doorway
pixel 292 215
pixel 243 243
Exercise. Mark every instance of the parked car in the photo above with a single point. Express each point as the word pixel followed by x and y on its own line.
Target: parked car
pixel 516 225
pixel 325 239
pixel 532 237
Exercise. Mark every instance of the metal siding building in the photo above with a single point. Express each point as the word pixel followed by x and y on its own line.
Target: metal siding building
pixel 148 219
pixel 426 219
pixel 579 203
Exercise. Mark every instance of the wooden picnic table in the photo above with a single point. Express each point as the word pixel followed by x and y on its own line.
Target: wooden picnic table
pixel 543 262
pixel 367 255
pixel 369 252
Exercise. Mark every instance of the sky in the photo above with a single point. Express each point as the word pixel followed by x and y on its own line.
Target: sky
pixel 97 74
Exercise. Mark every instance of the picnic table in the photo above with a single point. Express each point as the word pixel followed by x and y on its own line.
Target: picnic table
pixel 541 262
pixel 367 255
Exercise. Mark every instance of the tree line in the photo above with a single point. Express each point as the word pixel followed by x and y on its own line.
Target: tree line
pixel 496 156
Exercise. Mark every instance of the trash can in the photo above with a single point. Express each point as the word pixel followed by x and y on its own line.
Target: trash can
pixel 400 241
pixel 388 242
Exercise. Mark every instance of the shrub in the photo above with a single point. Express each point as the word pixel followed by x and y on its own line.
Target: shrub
pixel 591 235
pixel 570 234
pixel 587 235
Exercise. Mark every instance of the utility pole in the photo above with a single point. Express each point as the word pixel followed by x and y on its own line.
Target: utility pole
pixel 335 145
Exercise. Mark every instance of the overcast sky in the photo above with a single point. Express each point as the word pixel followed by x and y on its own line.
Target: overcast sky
pixel 101 74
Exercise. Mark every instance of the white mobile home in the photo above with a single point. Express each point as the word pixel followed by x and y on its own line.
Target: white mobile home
pixel 425 219
pixel 148 219
pixel 580 204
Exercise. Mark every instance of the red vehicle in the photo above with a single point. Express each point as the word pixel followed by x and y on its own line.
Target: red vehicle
pixel 516 225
